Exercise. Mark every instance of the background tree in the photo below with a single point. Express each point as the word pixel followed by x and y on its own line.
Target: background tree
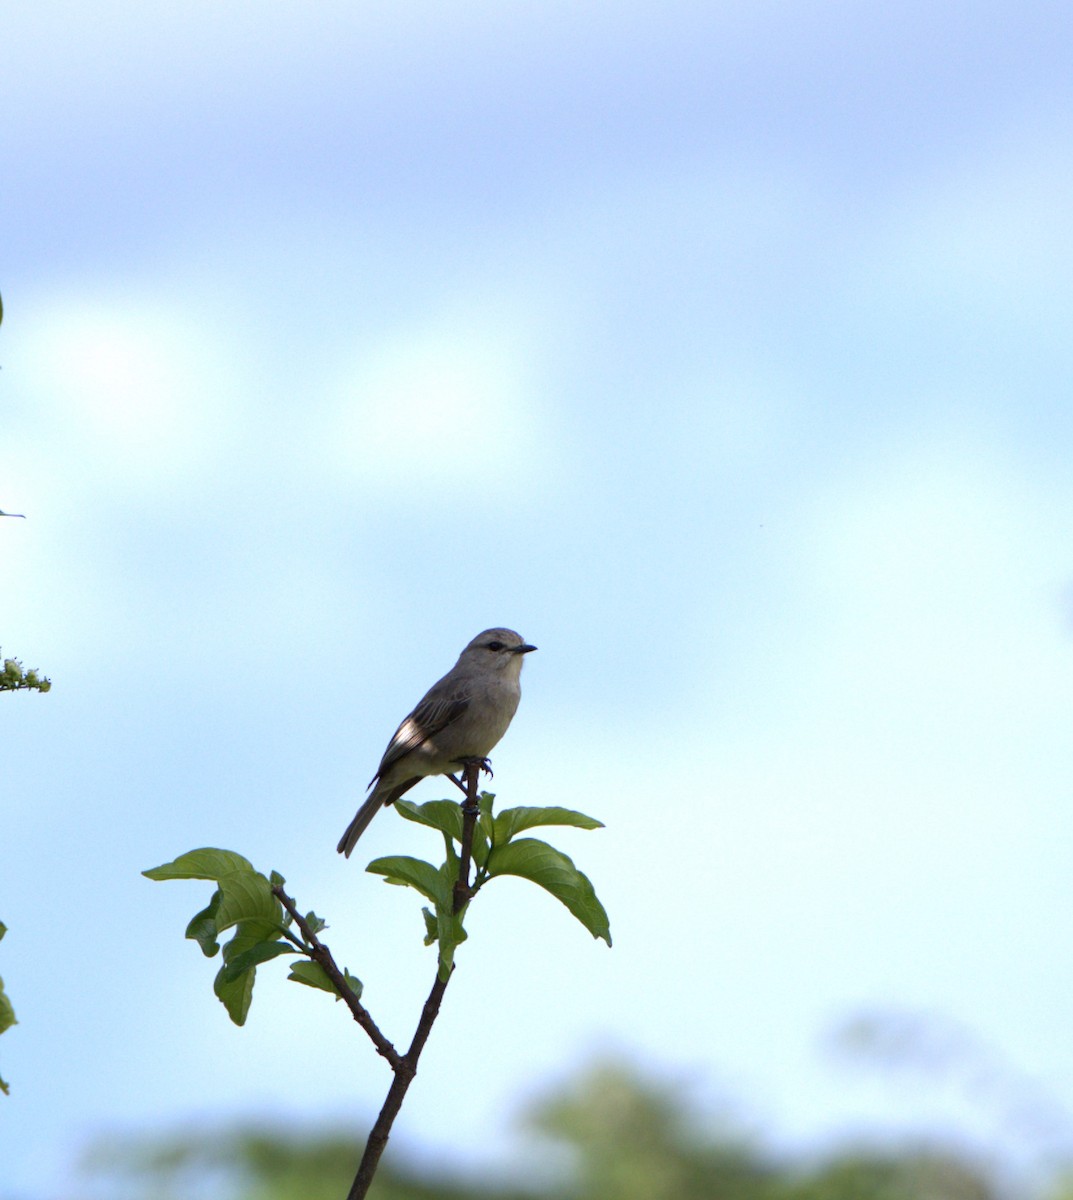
pixel 625 1135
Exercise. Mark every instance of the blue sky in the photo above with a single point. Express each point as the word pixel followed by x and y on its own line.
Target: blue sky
pixel 722 350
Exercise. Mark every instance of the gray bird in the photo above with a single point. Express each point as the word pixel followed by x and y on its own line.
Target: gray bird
pixel 462 716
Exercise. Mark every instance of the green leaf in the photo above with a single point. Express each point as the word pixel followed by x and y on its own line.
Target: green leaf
pixel 235 994
pixel 246 896
pixel 202 929
pixel 7 1013
pixel 206 863
pixel 486 821
pixel 415 873
pixel 248 934
pixel 259 952
pixel 276 879
pixel 535 860
pixel 512 821
pixel 432 931
pixel 236 990
pixel 449 867
pixel 480 845
pixel 443 815
pixel 450 934
pixel 315 923
pixel 312 974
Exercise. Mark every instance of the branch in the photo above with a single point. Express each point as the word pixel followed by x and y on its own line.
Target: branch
pixel 407 1065
pixel 320 953
pixel 470 812
pixel 404 1074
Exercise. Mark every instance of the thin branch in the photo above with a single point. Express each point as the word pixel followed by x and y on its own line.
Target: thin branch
pixel 470 812
pixel 297 943
pixel 320 953
pixel 404 1074
pixel 407 1066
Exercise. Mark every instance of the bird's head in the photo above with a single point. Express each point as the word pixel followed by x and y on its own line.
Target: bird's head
pixel 498 650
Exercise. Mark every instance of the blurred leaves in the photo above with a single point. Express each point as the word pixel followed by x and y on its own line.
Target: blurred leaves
pixel 936 1052
pixel 632 1137
pixel 7 1013
pixel 626 1137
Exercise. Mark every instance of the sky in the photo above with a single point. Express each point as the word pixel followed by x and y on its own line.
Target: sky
pixel 720 349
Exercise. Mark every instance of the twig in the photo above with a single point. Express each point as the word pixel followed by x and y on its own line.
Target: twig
pixel 406 1068
pixel 320 953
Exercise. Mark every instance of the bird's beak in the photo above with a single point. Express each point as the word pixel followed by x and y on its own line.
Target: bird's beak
pixel 524 648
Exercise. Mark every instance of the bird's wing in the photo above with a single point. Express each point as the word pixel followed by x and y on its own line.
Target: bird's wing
pixel 433 714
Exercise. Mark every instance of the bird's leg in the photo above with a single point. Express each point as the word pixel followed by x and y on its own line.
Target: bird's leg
pixel 471 768
pixel 458 784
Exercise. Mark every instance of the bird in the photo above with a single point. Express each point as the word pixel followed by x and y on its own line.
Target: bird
pixel 462 716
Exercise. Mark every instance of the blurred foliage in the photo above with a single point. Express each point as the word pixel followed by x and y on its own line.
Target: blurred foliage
pixel 13 678
pixel 633 1138
pixel 7 1013
pixel 262 1163
pixel 612 1134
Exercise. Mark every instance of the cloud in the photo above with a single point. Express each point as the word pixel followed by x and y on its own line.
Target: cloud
pixel 435 403
pixel 131 393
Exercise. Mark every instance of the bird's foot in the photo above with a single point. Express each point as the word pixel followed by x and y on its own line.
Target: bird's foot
pixel 484 764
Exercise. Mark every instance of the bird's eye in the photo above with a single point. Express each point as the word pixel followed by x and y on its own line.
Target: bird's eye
pixel 495 645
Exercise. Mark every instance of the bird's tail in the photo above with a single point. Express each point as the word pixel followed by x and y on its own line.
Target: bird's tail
pixel 361 821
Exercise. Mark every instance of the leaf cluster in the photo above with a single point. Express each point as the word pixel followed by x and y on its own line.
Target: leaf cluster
pixel 248 905
pixel 245 902
pixel 7 1013
pixel 496 851
pixel 13 678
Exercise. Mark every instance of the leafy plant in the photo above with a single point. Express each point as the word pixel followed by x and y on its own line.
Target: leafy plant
pixel 264 923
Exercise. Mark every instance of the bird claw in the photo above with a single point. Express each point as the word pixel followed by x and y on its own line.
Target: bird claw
pixel 484 764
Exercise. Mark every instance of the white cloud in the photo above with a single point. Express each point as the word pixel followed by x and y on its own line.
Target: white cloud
pixel 431 404
pixel 125 391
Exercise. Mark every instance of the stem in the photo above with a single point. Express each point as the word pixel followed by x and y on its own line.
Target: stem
pixel 470 812
pixel 406 1067
pixel 320 953
pixel 404 1074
